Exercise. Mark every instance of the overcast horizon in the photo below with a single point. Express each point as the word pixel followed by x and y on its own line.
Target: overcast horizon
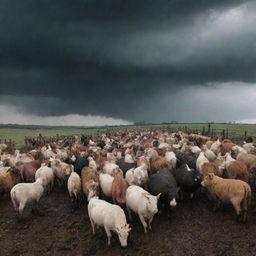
pixel 112 62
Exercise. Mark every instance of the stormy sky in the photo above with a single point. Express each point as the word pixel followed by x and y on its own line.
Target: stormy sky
pixel 93 62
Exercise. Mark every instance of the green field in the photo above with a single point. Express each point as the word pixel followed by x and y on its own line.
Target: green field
pixel 18 134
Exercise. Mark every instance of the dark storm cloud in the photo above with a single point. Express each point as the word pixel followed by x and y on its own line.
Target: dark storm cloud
pixel 109 57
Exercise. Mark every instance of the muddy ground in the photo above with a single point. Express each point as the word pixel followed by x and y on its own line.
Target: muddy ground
pixel 59 229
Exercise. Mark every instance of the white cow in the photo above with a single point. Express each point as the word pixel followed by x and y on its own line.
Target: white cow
pixel 142 203
pixel 200 161
pixel 109 216
pixel 92 163
pixel 111 169
pixel 47 174
pixel 171 159
pixel 23 193
pixel 74 186
pixel 61 170
pixel 106 181
pixel 138 176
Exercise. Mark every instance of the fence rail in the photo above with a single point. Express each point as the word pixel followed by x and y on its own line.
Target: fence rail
pixel 237 136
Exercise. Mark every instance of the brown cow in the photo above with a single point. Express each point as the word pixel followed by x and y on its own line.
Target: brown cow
pixel 210 168
pixel 90 182
pixel 236 192
pixel 237 170
pixel 158 164
pixel 28 170
pixel 119 187
pixel 226 147
pixel 9 179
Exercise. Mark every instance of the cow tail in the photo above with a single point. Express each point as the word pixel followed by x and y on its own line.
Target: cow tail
pixel 249 196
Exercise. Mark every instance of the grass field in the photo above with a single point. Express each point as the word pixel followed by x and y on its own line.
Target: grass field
pixel 18 134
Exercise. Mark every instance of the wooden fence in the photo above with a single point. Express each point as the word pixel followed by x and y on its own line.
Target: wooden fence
pixel 208 130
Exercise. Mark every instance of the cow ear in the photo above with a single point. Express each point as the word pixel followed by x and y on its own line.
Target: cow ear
pixel 158 195
pixel 211 175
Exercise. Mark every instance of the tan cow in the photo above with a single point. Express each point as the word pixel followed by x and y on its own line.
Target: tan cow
pixel 236 192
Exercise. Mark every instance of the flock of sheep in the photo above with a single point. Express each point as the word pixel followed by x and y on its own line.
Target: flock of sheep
pixel 143 170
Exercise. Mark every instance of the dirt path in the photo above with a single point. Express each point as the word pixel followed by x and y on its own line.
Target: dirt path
pixel 59 229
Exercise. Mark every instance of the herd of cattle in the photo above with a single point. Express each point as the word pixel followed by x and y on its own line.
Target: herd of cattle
pixel 142 170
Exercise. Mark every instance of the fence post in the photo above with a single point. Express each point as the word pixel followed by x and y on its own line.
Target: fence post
pixel 245 135
pixel 223 133
pixel 10 144
pixel 209 129
pixel 227 133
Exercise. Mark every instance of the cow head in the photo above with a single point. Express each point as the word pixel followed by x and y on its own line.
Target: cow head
pixel 123 233
pixel 207 180
pixel 92 187
pixel 152 203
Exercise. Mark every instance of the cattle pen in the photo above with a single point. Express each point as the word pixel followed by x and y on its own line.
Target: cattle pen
pixel 58 227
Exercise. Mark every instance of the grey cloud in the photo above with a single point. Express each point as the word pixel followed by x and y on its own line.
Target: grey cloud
pixel 112 58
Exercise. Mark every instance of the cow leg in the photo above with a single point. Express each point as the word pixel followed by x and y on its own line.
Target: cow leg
pixel 93 226
pixel 237 207
pixel 16 207
pixel 52 184
pixel 244 204
pixel 129 212
pixel 108 232
pixel 143 223
pixel 21 208
pixel 244 215
pixel 149 222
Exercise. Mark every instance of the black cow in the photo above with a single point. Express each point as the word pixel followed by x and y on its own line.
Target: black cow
pixel 163 182
pixel 189 180
pixel 125 166
pixel 101 144
pixel 80 163
pixel 183 158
